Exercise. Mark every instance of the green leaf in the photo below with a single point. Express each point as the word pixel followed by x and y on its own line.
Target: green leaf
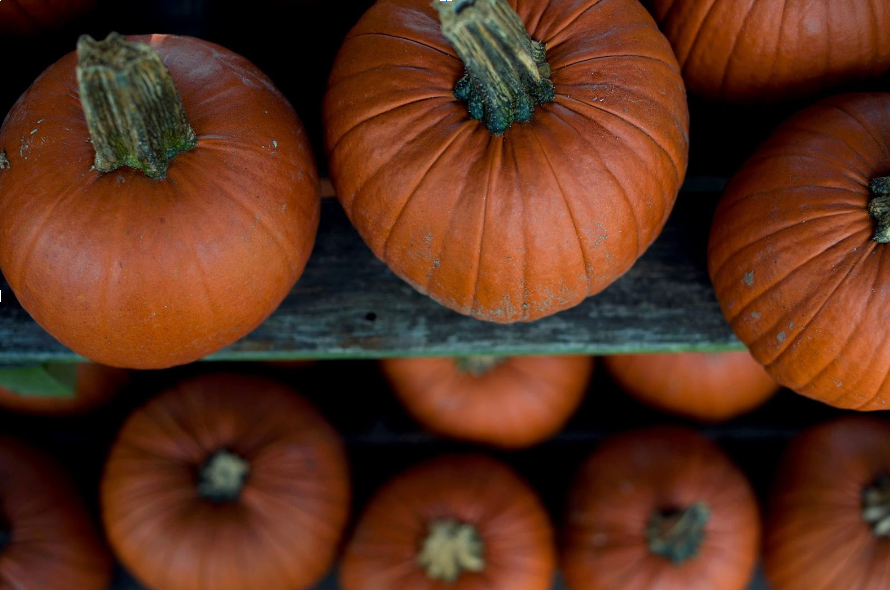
pixel 48 380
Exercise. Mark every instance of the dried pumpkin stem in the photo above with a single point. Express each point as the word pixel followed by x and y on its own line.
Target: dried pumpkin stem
pixel 133 110
pixel 477 366
pixel 879 208
pixel 677 535
pixel 450 549
pixel 876 506
pixel 507 72
pixel 221 479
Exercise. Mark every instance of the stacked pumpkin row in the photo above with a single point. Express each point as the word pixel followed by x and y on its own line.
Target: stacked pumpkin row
pixel 507 180
pixel 233 482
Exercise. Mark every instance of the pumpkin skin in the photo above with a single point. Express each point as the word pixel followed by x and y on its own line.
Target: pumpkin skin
pixel 53 543
pixel 519 402
pixel 519 548
pixel 29 17
pixel 816 536
pixel 96 385
pixel 182 266
pixel 522 225
pixel 280 533
pixel 792 258
pixel 710 387
pixel 635 474
pixel 761 50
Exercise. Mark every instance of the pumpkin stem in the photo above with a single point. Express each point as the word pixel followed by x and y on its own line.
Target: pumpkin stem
pixel 4 161
pixel 677 535
pixel 451 548
pixel 879 208
pixel 507 73
pixel 132 107
pixel 221 479
pixel 477 366
pixel 876 506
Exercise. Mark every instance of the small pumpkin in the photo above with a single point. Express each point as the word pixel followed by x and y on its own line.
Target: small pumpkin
pixel 226 482
pixel 502 401
pixel 47 539
pixel 131 258
pixel 87 386
pixel 769 50
pixel 462 522
pixel 29 17
pixel 829 517
pixel 507 181
pixel 797 252
pixel 710 387
pixel 660 508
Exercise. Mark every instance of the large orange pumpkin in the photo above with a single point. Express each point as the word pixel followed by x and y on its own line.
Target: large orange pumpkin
pixel 459 522
pixel 798 263
pixel 769 50
pixel 710 387
pixel 91 386
pixel 660 508
pixel 507 401
pixel 507 222
pixel 141 271
pixel 47 539
pixel 226 482
pixel 28 17
pixel 829 517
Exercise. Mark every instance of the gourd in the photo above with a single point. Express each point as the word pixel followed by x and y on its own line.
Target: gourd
pixel 64 388
pixel 798 248
pixel 503 401
pixel 47 539
pixel 226 482
pixel 507 181
pixel 154 239
pixel 829 517
pixel 660 508
pixel 710 387
pixel 769 50
pixel 459 521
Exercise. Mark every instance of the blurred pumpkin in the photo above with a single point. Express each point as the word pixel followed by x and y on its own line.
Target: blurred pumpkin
pixel 508 181
pixel 798 253
pixel 226 482
pixel 464 522
pixel 769 50
pixel 829 516
pixel 154 239
pixel 82 387
pixel 660 508
pixel 506 401
pixel 47 539
pixel 710 387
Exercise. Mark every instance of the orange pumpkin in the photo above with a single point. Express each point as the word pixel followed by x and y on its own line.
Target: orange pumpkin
pixel 546 186
pixel 829 518
pixel 93 386
pixel 226 482
pixel 507 402
pixel 459 522
pixel 47 540
pixel 710 387
pixel 29 17
pixel 797 259
pixel 768 50
pixel 660 508
pixel 161 265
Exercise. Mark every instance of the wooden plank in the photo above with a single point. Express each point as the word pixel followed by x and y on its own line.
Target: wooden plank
pixel 349 305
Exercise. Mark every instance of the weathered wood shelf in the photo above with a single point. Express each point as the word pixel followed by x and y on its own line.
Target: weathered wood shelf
pixel 349 305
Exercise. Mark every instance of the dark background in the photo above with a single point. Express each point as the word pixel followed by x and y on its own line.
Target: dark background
pixel 295 43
